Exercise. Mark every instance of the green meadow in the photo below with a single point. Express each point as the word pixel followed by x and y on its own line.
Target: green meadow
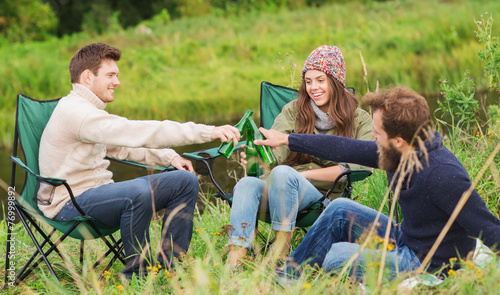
pixel 208 69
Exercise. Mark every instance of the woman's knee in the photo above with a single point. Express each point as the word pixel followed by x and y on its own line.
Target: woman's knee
pixel 282 173
pixel 249 188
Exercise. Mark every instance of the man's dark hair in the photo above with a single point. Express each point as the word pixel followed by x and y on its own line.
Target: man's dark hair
pixel 405 113
pixel 90 57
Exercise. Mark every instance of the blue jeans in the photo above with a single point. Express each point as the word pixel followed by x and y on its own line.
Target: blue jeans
pixel 283 194
pixel 331 242
pixel 131 204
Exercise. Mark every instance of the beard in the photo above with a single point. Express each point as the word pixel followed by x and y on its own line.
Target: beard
pixel 389 158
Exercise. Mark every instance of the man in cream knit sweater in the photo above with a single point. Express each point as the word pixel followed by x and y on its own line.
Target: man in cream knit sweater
pixel 80 133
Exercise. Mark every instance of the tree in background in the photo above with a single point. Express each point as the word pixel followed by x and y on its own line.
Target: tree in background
pixel 97 16
pixel 25 20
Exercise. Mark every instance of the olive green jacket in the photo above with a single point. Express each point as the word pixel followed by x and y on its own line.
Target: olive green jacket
pixel 287 122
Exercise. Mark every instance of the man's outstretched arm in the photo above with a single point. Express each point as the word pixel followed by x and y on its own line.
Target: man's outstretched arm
pixel 328 147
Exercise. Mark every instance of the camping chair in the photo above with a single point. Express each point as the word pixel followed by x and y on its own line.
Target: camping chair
pixel 31 118
pixel 272 99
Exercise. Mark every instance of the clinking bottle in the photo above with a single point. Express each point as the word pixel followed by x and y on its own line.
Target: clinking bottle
pixel 264 151
pixel 252 167
pixel 227 148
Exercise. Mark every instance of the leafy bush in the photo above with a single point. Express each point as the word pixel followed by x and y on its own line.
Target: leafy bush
pixel 26 20
pixel 459 102
pixel 491 53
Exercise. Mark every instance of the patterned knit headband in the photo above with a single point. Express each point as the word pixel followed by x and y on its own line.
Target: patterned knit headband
pixel 327 59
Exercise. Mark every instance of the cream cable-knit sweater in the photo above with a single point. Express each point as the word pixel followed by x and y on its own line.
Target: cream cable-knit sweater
pixel 80 133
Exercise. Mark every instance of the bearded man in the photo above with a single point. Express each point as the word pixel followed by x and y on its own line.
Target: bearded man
pixel 425 177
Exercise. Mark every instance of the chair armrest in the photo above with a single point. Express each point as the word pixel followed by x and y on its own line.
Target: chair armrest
pixel 139 165
pixel 52 180
pixel 352 176
pixel 359 174
pixel 211 153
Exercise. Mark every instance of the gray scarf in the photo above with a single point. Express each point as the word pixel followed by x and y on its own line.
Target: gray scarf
pixel 323 123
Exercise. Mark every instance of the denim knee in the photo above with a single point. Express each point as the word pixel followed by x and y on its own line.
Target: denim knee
pixel 282 179
pixel 282 173
pixel 340 207
pixel 339 254
pixel 189 181
pixel 248 189
pixel 141 198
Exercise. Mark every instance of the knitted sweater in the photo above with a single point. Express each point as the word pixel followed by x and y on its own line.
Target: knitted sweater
pixel 80 133
pixel 427 201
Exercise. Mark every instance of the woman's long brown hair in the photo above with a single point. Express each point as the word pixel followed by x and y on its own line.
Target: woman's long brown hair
pixel 341 111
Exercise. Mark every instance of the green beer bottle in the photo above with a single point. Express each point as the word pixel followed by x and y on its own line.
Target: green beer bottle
pixel 227 148
pixel 252 167
pixel 264 151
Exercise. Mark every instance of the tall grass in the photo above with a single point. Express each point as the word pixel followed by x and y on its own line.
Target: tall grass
pixel 204 269
pixel 208 69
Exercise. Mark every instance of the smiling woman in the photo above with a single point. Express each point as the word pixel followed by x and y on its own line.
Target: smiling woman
pixel 324 106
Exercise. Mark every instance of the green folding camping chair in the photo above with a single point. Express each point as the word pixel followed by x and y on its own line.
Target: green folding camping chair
pixel 272 99
pixel 31 118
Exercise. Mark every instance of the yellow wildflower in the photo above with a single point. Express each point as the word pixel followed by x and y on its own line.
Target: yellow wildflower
pixel 451 272
pixel 120 287
pixel 306 286
pixel 471 264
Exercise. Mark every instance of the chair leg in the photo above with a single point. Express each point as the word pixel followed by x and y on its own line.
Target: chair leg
pixel 24 272
pixel 43 254
pixel 267 242
pixel 82 244
pixel 110 247
pixel 118 245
